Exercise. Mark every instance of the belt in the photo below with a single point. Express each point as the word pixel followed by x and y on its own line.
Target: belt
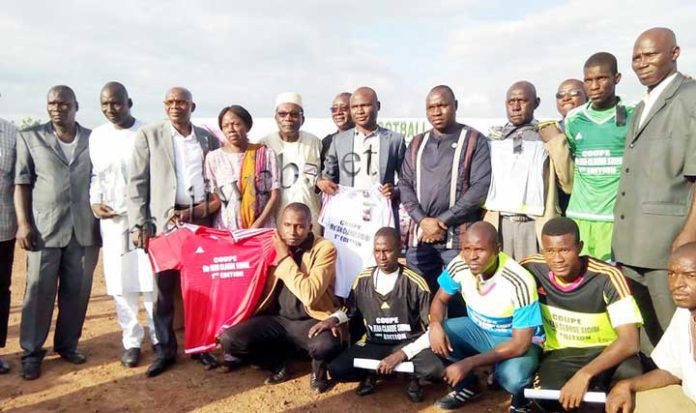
pixel 518 218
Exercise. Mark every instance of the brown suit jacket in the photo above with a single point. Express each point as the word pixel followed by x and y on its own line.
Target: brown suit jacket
pixel 312 282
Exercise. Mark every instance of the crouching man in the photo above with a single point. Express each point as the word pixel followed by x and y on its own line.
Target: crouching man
pixel 503 323
pixel 300 294
pixel 393 301
pixel 590 318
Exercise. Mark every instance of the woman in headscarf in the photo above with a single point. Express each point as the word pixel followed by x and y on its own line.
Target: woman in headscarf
pixel 244 175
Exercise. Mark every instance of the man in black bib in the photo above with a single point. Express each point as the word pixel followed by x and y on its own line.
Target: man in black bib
pixel 393 301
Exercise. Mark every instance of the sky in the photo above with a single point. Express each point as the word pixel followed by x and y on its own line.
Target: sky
pixel 234 52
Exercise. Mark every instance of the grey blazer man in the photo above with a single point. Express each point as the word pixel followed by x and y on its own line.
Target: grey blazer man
pixel 67 240
pixel 152 187
pixel 342 161
pixel 151 195
pixel 655 193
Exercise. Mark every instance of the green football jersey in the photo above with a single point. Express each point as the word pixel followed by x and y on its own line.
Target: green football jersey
pixel 597 145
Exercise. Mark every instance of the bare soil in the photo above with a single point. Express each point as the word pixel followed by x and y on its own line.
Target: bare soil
pixel 103 385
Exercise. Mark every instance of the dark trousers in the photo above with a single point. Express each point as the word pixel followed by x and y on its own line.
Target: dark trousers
pixel 267 340
pixel 166 284
pixel 6 256
pixel 427 365
pixel 651 291
pixel 67 272
pixel 558 366
pixel 429 262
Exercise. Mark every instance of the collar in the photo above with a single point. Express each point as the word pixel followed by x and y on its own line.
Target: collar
pixel 509 128
pixel 52 129
pixel 657 90
pixel 176 133
pixel 305 246
pixel 565 287
pixel 375 132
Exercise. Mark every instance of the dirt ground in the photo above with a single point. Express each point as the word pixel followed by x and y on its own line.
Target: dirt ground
pixel 103 385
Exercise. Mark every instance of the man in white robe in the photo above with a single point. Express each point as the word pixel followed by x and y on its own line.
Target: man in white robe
pixel 127 270
pixel 299 156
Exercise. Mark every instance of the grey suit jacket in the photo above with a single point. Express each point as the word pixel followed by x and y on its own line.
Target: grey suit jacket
pixel 152 185
pixel 60 190
pixel 655 190
pixel 341 161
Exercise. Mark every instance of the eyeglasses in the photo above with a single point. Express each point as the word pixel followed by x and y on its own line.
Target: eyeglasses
pixel 341 108
pixel 572 93
pixel 293 115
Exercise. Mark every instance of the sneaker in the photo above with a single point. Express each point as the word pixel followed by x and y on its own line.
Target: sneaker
pixel 527 408
pixel 457 398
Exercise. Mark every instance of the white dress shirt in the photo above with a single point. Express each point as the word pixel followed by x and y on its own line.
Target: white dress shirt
pixel 188 161
pixel 651 97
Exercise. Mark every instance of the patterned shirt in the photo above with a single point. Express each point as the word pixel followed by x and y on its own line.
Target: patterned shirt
pixel 8 155
pixel 585 312
pixel 223 169
pixel 505 301
pixel 596 140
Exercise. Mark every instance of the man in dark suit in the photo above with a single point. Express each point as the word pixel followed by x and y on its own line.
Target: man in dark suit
pixel 365 155
pixel 167 185
pixel 655 210
pixel 57 229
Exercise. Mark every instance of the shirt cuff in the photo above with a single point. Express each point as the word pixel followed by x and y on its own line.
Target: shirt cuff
pixel 341 316
pixel 423 342
pixel 417 215
pixel 446 217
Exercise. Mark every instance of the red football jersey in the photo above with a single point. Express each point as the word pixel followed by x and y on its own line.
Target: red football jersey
pixel 222 276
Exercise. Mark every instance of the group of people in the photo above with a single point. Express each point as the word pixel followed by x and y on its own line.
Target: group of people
pixel 555 252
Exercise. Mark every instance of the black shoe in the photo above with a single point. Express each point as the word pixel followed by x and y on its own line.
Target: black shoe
pixel 456 399
pixel 206 359
pixel 229 363
pixel 4 366
pixel 31 371
pixel 278 375
pixel 159 366
pixel 367 386
pixel 319 381
pixel 131 357
pixel 414 391
pixel 74 357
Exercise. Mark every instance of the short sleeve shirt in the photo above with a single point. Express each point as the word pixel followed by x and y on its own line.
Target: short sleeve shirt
pixel 223 170
pixel 596 140
pixel 674 352
pixel 506 301
pixel 586 312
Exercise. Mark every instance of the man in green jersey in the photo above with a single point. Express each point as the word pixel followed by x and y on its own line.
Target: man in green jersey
pixel 596 133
